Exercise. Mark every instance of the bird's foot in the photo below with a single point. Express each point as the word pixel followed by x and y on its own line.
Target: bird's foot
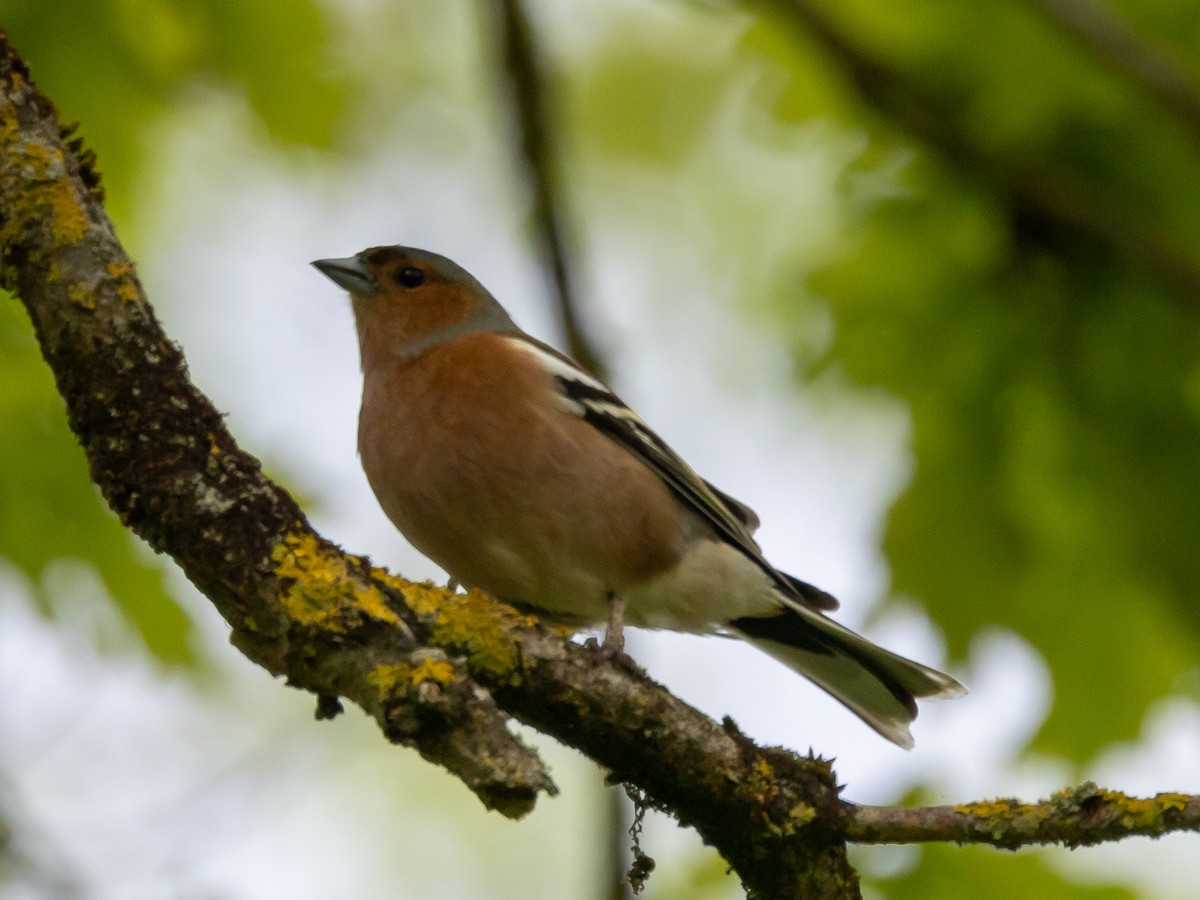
pixel 614 633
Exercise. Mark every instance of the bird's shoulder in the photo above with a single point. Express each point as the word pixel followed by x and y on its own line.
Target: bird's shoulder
pixel 586 397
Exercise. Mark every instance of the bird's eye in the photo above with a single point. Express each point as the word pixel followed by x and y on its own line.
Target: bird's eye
pixel 410 276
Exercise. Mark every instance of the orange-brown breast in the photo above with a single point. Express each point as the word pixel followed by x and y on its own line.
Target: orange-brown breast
pixel 395 318
pixel 476 465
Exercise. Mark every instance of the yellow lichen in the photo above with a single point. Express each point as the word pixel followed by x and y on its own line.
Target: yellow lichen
pixel 799 816
pixel 985 809
pixel 315 593
pixel 80 295
pixel 471 623
pixel 384 678
pixel 10 129
pixel 439 671
pixel 127 288
pixel 763 782
pixel 44 187
pixel 1172 801
pixel 70 220
pixel 1140 813
pixel 321 589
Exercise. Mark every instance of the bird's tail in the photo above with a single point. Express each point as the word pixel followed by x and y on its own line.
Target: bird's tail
pixel 879 686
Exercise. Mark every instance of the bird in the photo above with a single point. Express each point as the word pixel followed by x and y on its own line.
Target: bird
pixel 522 475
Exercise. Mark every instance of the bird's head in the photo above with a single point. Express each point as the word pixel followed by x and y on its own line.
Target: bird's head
pixel 407 300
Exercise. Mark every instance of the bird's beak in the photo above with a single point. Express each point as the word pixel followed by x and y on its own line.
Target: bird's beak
pixel 346 273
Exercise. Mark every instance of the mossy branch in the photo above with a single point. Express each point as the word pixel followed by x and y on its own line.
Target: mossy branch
pixel 440 672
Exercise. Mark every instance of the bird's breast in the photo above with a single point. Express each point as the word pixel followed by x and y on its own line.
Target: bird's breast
pixel 474 462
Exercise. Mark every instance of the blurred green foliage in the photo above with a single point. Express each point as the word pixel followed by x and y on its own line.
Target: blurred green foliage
pixel 118 67
pixel 49 508
pixel 1032 294
pixel 982 873
pixel 1050 374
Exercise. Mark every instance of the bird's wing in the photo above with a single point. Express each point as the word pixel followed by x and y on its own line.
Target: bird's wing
pixel 732 521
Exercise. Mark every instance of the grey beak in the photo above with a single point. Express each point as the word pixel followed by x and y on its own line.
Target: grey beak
pixel 346 273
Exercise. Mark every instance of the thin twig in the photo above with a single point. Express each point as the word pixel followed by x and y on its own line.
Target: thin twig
pixel 616 827
pixel 1075 817
pixel 528 97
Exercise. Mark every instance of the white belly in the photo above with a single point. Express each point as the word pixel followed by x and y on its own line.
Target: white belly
pixel 712 584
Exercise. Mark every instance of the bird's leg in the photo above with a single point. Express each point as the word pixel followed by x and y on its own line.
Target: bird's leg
pixel 452 585
pixel 614 634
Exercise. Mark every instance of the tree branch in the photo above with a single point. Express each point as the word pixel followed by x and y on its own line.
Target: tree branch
pixel 1077 817
pixel 439 671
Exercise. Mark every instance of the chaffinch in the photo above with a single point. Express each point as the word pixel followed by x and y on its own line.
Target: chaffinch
pixel 522 475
